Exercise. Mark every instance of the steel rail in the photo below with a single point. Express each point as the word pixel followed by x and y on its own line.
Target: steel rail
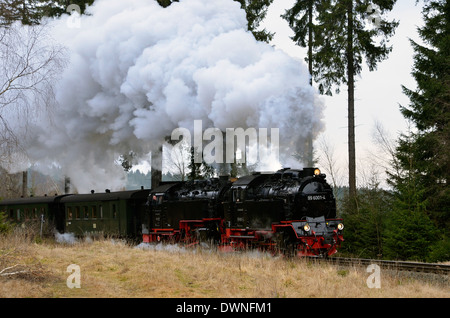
pixel 394 265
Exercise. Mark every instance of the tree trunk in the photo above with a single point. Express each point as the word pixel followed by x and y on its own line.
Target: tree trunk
pixel 309 144
pixel 351 104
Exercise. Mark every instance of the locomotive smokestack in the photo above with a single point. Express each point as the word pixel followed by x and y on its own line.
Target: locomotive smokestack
pixel 156 168
pixel 66 185
pixel 25 184
pixel 224 168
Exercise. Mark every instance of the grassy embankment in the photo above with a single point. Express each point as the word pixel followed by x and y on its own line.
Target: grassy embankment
pixel 111 269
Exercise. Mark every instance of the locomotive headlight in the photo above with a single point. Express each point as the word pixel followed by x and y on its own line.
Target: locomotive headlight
pixel 317 172
pixel 306 228
pixel 340 226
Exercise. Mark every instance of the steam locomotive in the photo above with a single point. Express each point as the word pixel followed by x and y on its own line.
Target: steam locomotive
pixel 292 211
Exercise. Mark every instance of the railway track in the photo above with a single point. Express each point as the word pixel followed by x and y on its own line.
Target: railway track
pixel 393 265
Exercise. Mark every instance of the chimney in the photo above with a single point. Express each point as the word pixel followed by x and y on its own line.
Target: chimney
pixel 66 185
pixel 25 184
pixel 157 168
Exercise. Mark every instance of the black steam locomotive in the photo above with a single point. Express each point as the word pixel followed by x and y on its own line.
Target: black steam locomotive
pixel 293 211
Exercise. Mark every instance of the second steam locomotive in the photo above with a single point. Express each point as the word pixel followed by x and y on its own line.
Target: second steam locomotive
pixel 291 211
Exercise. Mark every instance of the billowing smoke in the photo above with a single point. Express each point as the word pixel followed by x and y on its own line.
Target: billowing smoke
pixel 137 71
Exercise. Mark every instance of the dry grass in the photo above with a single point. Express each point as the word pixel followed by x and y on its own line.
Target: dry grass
pixel 111 269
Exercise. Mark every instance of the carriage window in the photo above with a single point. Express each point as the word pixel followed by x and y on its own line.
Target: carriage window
pixel 11 213
pixel 313 187
pixel 35 213
pixel 101 211
pixel 18 214
pixel 69 213
pixel 27 214
pixel 94 212
pixel 77 212
pixel 114 211
pixel 86 212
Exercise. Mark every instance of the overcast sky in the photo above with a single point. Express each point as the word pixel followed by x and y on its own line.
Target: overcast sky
pixel 378 94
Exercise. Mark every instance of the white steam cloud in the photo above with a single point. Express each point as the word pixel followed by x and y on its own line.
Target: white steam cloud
pixel 137 71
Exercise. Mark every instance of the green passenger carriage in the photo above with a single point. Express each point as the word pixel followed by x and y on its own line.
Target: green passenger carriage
pixel 109 213
pixel 95 214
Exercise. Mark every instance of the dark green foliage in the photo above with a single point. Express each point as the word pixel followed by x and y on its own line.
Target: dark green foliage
pixel 440 251
pixel 429 111
pixel 409 235
pixel 199 171
pixel 364 227
pixel 165 3
pixel 31 12
pixel 418 226
pixel 335 23
pixel 256 11
pixel 56 8
pixel 26 11
pixel 338 36
pixel 307 32
pixel 5 226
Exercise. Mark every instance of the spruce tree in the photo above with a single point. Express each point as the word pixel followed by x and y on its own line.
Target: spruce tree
pixel 30 12
pixel 165 3
pixel 256 11
pixel 55 8
pixel 420 221
pixel 342 39
pixel 306 34
pixel 429 110
pixel 26 11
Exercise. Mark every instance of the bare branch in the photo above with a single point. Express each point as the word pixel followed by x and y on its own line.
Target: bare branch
pixel 11 273
pixel 30 64
pixel 328 162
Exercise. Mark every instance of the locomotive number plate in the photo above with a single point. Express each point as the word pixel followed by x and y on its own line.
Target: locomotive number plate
pixel 316 197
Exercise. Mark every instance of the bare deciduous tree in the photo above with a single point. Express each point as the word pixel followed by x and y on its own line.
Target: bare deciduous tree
pixel 328 161
pixel 178 159
pixel 30 62
pixel 386 148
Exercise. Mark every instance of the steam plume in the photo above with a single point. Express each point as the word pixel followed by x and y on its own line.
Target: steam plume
pixel 137 71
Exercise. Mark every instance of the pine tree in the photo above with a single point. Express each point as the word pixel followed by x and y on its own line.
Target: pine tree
pixel 429 110
pixel 421 215
pixel 30 12
pixel 55 8
pixel 341 40
pixel 199 171
pixel 166 3
pixel 409 232
pixel 306 34
pixel 256 11
pixel 26 11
